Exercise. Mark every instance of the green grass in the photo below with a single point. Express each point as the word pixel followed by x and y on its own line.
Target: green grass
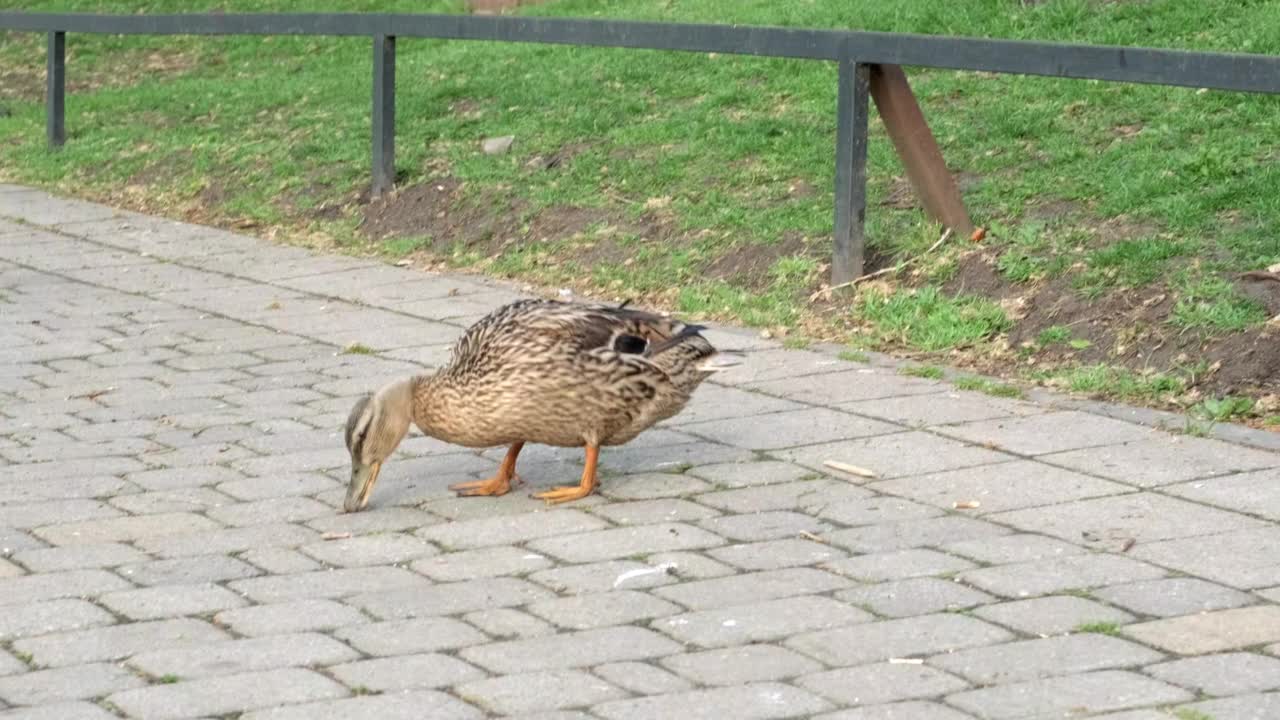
pixel 1224 409
pixel 695 158
pixel 1100 627
pixel 989 387
pixel 1106 381
pixel 357 349
pixel 854 356
pixel 923 371
pixel 1191 714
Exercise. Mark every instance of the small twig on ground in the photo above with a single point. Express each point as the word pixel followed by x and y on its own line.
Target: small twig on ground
pixel 826 292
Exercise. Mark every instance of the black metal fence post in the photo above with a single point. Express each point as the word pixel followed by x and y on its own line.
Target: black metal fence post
pixel 384 113
pixel 851 170
pixel 55 99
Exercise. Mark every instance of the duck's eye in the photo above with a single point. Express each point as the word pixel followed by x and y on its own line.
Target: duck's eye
pixel 630 344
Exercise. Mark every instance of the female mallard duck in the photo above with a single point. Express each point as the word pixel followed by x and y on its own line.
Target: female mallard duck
pixel 538 371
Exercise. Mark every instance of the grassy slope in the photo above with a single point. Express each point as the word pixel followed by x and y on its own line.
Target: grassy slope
pixel 1147 189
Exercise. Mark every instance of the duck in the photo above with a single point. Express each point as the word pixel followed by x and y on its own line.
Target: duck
pixel 565 374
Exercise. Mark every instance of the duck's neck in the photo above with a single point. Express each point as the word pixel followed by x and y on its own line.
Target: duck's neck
pixel 425 407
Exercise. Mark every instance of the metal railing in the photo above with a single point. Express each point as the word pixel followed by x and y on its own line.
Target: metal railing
pixel 869 66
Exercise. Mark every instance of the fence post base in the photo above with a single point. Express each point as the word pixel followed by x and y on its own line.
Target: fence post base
pixel 384 114
pixel 55 97
pixel 851 170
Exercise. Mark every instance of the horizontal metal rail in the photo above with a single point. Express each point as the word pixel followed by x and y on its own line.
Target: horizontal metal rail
pixel 868 62
pixel 1223 71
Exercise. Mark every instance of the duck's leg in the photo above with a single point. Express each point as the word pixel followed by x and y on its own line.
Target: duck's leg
pixel 500 483
pixel 582 489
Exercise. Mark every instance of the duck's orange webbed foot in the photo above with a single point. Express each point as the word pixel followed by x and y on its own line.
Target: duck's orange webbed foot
pixel 499 484
pixel 575 492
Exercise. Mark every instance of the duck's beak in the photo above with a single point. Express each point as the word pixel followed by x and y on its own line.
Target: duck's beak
pixel 362 479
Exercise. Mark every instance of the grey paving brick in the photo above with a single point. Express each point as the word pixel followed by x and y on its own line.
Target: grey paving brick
pixel 243 656
pixel 60 711
pixel 277 486
pixel 760 621
pixel 914 596
pixel 907 710
pixel 772 525
pixel 1170 597
pixel 118 529
pixel 1165 459
pixel 29 515
pixel 1242 559
pixel 71 583
pixel 569 650
pixel 449 598
pixel 751 587
pixel 626 541
pixel 662 510
pixel 1008 549
pixel 1253 492
pixel 531 692
pixel 280 561
pixel 897 455
pixel 171 601
pixel 509 624
pixel 1044 657
pixel 924 635
pixel 283 509
pixel 789 428
pixel 1260 706
pixel 289 617
pixel 190 499
pixel 847 386
pixel 1068 573
pixel 713 402
pixel 406 672
pixel 945 408
pixel 10 665
pixel 897 565
pixel 329 584
pixel 405 637
pixel 876 509
pixel 482 562
pixel 881 683
pixel 380 549
pixel 740 665
pixel 1049 433
pixel 756 701
pixel 395 706
pixel 1089 692
pixel 50 616
pixel 999 487
pixel 1051 615
pixel 642 678
pixel 651 486
pixel 685 566
pixel 809 496
pixel 1223 674
pixel 186 571
pixel 59 488
pixel 229 540
pixel 906 534
pixel 45 687
pixel 510 530
pixel 117 642
pixel 776 554
pixel 604 576
pixel 1212 631
pixel 749 474
pixel 78 557
pixel 621 607
pixel 226 694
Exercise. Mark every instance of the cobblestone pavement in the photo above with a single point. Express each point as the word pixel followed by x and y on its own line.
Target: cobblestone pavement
pixel 171 465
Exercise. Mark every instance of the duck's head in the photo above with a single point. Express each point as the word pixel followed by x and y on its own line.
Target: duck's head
pixel 377 424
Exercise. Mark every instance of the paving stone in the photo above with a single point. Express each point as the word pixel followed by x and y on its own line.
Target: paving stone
pixel 49 586
pixel 881 683
pixel 740 665
pixel 1242 559
pixel 909 710
pixel 1069 573
pixel 751 587
pixel 1165 459
pixel 186 571
pixel 56 488
pixel 898 455
pixel 756 701
pixel 806 495
pixel 1111 522
pixel 297 616
pixel 405 637
pixel 45 687
pixel 60 711
pixel 226 694
pixel 78 557
pixel 1171 597
pixel 329 584
pixel 771 525
pixel 1224 674
pixel 124 528
pixel 405 672
pixel 924 635
pixel 847 386
pixel 945 408
pixel 192 499
pixel 117 642
pixel 626 541
pixel 1049 432
pixel 662 510
pixel 277 486
pixel 1212 631
pixel 776 554
pixel 449 598
pixel 914 596
pixel 760 621
pixel 280 561
pixel 876 509
pixel 10 665
pixel 898 565
pixel 1059 696
pixel 1253 492
pixel 621 607
pixel 29 515
pixel 642 678
pixel 775 363
pixel 1004 486
pixel 1044 657
pixel 380 549
pixel 509 624
pixel 243 656
pixel 483 532
pixel 171 600
pixel 906 534
pixel 749 474
pixel 1009 549
pixel 685 566
pixel 284 509
pixel 1244 707
pixel 604 576
pixel 51 616
pixel 482 562
pixel 713 402
pixel 568 650
pixel 789 428
pixel 1051 615
pixel 393 706
pixel 518 694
